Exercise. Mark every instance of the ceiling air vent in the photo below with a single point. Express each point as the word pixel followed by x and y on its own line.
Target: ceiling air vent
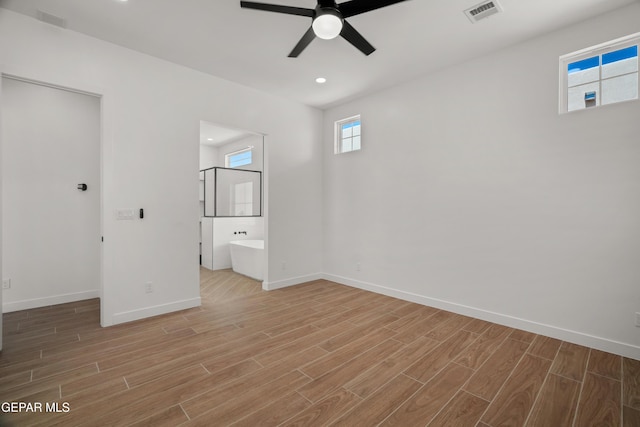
pixel 483 10
pixel 51 19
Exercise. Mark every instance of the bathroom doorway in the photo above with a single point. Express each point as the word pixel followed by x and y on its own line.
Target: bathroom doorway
pixel 231 211
pixel 51 177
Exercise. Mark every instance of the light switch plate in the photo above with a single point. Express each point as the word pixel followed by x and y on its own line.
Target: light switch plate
pixel 125 214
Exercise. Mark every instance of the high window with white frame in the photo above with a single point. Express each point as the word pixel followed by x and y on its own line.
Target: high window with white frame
pixel 238 158
pixel 348 135
pixel 600 75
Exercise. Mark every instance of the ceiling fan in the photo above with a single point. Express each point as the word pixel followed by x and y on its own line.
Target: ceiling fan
pixel 328 20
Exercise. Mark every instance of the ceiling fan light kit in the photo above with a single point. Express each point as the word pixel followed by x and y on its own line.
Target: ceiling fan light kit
pixel 328 20
pixel 328 24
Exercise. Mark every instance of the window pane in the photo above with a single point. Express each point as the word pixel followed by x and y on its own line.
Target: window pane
pixel 619 89
pixel 356 143
pixel 356 128
pixel 620 55
pixel 585 64
pixel 346 145
pixel 623 66
pixel 576 96
pixel 584 71
pixel 347 131
pixel 584 76
pixel 240 159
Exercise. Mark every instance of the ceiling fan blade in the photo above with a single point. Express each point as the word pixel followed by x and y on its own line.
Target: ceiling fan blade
pixel 303 43
pixel 327 3
pixel 356 7
pixel 351 35
pixel 289 10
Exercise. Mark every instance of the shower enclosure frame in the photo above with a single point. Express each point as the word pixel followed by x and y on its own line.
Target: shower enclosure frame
pixel 215 199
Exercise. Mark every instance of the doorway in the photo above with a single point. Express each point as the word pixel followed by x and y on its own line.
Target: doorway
pixel 51 176
pixel 231 210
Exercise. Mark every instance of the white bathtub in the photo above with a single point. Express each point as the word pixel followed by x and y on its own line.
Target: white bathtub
pixel 247 257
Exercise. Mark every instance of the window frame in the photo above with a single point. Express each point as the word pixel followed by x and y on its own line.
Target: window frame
pixel 228 156
pixel 337 134
pixel 598 50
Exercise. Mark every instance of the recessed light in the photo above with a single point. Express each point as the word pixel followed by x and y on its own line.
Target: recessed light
pixel 321 80
pixel 209 139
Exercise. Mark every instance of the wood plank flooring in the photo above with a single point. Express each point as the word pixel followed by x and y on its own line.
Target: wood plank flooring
pixel 310 355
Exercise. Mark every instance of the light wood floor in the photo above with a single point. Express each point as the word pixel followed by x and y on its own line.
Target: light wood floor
pixel 314 354
pixel 221 285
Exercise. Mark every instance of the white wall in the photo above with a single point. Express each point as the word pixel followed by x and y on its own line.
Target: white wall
pixel 151 118
pixel 208 157
pixel 472 194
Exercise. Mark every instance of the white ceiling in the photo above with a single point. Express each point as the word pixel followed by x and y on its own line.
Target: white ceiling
pixel 250 47
pixel 213 134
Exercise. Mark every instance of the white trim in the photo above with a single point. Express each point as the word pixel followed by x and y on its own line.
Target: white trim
pixel 602 46
pixel 599 343
pixel 143 313
pixel 265 207
pixel 47 301
pixel 49 85
pixel 270 286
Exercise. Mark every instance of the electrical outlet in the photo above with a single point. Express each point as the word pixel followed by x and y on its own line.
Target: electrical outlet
pixel 284 265
pixel 358 266
pixel 148 287
pixel 6 283
pixel 637 319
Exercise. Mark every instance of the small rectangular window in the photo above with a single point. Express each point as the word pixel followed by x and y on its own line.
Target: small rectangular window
pixel 600 75
pixel 238 158
pixel 348 135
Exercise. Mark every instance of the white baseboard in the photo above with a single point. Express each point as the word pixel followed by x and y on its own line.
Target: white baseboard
pixel 156 310
pixel 27 304
pixel 270 286
pixel 599 343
